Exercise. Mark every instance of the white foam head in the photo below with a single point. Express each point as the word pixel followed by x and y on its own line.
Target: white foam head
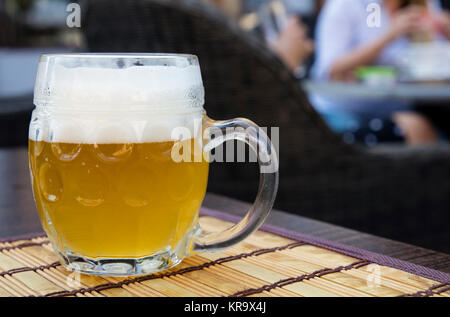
pixel 108 98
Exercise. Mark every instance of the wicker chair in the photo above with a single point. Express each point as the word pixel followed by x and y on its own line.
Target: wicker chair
pixel 397 192
pixel 15 115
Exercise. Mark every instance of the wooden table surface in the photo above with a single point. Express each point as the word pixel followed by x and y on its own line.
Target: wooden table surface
pixel 18 216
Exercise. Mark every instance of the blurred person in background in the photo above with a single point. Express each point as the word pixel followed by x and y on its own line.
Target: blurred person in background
pixel 286 26
pixel 291 44
pixel 232 8
pixel 345 41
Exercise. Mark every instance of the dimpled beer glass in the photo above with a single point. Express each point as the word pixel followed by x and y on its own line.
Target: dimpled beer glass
pixel 119 154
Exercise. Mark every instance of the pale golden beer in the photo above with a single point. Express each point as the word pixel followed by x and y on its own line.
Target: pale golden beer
pixel 116 200
pixel 119 149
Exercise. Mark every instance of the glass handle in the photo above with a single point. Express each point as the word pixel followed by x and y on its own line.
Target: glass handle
pixel 248 132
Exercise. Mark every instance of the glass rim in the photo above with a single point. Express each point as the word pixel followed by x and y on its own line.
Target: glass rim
pixel 107 55
pixel 52 109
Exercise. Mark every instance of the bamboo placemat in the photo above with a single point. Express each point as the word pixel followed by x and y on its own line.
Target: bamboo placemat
pixel 273 262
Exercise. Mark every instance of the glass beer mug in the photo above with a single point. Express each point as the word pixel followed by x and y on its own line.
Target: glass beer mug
pixel 119 153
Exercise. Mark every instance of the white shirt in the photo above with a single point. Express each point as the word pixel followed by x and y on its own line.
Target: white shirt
pixel 342 27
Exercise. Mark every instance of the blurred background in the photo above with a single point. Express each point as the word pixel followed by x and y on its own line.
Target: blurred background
pixel 360 90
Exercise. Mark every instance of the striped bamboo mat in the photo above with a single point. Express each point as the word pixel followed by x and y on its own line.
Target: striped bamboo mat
pixel 265 264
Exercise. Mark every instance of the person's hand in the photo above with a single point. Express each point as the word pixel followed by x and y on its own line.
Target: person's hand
pixel 406 21
pixel 293 45
pixel 443 22
pixel 416 128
